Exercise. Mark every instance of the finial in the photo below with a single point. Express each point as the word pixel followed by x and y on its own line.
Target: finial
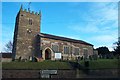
pixel 39 12
pixel 29 6
pixel 21 8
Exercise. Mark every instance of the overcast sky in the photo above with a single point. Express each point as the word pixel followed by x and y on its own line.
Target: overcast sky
pixel 93 22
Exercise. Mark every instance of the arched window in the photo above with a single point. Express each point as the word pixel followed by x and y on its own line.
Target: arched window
pixel 85 53
pixel 30 21
pixel 55 48
pixel 76 51
pixel 66 49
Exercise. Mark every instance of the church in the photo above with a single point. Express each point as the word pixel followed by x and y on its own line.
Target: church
pixel 30 43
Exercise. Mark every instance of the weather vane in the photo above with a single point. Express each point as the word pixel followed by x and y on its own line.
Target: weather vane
pixel 29 6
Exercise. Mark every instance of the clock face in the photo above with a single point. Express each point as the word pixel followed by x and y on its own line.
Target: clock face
pixel 29 31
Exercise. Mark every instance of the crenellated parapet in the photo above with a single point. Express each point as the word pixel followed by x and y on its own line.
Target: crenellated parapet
pixel 29 11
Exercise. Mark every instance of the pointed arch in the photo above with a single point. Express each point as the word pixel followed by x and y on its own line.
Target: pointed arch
pixel 47 54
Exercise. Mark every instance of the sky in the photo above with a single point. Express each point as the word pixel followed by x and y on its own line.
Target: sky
pixel 93 22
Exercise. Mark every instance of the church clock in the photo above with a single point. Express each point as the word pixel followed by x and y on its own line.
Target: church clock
pixel 29 31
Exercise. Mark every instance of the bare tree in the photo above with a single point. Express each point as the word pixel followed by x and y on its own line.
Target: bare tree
pixel 9 46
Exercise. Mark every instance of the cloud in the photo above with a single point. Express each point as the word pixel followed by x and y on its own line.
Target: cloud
pixel 85 28
pixel 99 11
pixel 99 15
pixel 104 38
pixel 70 36
pixel 105 11
pixel 101 23
pixel 107 27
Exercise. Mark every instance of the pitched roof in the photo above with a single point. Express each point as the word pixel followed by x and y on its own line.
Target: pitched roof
pixel 44 35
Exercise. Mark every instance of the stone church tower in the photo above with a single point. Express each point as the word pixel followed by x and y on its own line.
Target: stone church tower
pixel 26 43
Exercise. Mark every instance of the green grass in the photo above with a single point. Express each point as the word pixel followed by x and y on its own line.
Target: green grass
pixel 36 65
pixel 103 64
pixel 94 64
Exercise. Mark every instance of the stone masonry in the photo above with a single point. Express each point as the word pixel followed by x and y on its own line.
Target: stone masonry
pixel 46 42
pixel 26 27
pixel 29 43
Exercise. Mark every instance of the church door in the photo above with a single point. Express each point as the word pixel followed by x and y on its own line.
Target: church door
pixel 47 54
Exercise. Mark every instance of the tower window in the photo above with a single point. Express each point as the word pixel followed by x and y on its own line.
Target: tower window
pixel 30 21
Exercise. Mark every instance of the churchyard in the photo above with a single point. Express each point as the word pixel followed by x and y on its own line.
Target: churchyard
pixel 48 64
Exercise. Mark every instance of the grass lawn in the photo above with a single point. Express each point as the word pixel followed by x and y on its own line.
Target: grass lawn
pixel 93 64
pixel 103 64
pixel 36 65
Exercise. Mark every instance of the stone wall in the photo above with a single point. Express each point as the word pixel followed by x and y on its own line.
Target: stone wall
pixel 36 74
pixel 103 73
pixel 20 73
pixel 6 59
pixel 46 42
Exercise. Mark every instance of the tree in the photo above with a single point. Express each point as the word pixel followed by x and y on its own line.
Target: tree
pixel 9 46
pixel 117 48
pixel 103 51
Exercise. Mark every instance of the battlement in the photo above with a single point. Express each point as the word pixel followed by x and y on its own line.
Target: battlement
pixel 29 11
